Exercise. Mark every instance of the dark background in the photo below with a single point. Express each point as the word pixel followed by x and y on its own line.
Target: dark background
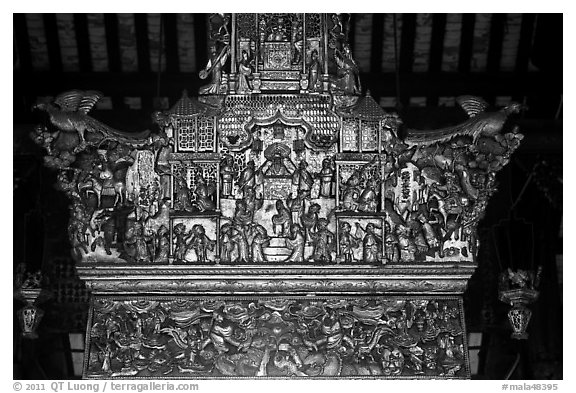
pixel 414 64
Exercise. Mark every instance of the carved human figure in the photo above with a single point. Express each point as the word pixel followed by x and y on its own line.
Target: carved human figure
pixel 277 30
pixel 347 242
pixel 214 67
pixel 371 245
pixel 182 201
pixel 333 335
pixel 405 244
pixel 247 177
pixel 276 167
pixel 391 243
pixel 201 243
pixel 283 219
pixel 297 41
pixel 226 244
pixel 221 334
pixel 310 219
pixel 323 242
pixel 227 173
pixel 367 201
pixel 242 216
pixel 314 72
pixel 351 192
pixel 162 244
pixel 417 234
pixel 302 179
pixel 259 241
pixel 296 243
pixel 181 238
pixel 297 205
pixel 454 201
pixel 430 236
pixel 326 178
pixel 244 73
pixel 76 231
pixel 349 80
pixel 252 203
pixel 204 192
pixel 239 239
pixel 138 240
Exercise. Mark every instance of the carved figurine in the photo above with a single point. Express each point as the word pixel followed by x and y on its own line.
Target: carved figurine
pixel 367 201
pixel 371 245
pixel 314 72
pixel 240 241
pixel 248 177
pixel 227 172
pixel 348 81
pixel 77 231
pixel 204 192
pixel 347 242
pixel 181 238
pixel 244 73
pixel 259 241
pixel 351 192
pixel 214 67
pixel 69 113
pixel 242 216
pixel 297 205
pixel 138 241
pixel 221 334
pixel 226 244
pixel 302 179
pixel 252 202
pixel 323 242
pixel 310 219
pixel 480 123
pixel 297 41
pixel 406 244
pixel 283 219
pixel 296 243
pixel 277 30
pixel 392 251
pixel 275 166
pixel 182 201
pixel 417 234
pixel 326 178
pixel 200 243
pixel 162 244
pixel 431 236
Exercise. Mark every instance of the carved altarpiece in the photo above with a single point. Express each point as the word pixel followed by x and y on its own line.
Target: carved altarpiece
pixel 277 225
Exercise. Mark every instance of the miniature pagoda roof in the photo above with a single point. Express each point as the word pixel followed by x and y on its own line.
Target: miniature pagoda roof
pixel 366 108
pixel 187 106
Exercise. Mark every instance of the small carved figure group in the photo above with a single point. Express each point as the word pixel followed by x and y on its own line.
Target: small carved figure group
pixel 203 199
pixel 243 242
pixel 195 239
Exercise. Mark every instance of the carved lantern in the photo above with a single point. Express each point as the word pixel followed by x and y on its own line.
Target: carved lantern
pixel 30 292
pixel 519 289
pixel 277 225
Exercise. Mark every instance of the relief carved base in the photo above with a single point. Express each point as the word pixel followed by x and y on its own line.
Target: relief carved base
pixel 403 337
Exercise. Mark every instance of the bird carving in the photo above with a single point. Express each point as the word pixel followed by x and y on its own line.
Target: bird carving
pixel 69 113
pixel 480 123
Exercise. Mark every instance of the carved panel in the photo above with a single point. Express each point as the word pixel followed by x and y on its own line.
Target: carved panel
pixel 404 337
